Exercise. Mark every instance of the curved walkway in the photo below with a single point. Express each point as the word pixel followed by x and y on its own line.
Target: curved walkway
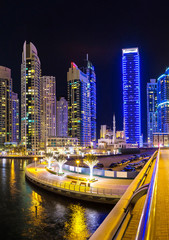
pixel 104 190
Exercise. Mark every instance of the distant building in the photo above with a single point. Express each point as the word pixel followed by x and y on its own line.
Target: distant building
pixel 103 131
pixel 15 118
pixel 79 109
pixel 5 105
pixel 30 98
pixel 48 108
pixel 161 140
pixel 151 110
pixel 163 103
pixel 131 95
pixel 62 144
pixel 112 139
pixel 62 118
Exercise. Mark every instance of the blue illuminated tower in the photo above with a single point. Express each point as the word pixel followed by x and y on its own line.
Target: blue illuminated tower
pixel 163 102
pixel 131 95
pixel 79 110
pixel 90 71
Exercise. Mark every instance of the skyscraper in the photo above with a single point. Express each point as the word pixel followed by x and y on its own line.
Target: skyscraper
pixel 48 108
pixel 89 70
pixel 30 98
pixel 163 102
pixel 131 95
pixel 62 118
pixel 15 117
pixel 79 109
pixel 5 105
pixel 151 110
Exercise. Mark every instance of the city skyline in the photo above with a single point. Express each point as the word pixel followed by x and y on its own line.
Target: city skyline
pixel 102 37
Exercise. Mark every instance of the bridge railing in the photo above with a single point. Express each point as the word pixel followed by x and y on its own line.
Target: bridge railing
pixel 145 228
pixel 116 222
pixel 116 193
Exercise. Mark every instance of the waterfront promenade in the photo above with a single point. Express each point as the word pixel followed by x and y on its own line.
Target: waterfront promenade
pixel 105 190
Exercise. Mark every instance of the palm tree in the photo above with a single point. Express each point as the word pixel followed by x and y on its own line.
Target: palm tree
pixel 91 161
pixel 49 158
pixel 60 160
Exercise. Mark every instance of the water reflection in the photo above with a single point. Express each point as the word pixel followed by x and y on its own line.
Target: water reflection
pixel 76 228
pixel 28 212
pixel 12 178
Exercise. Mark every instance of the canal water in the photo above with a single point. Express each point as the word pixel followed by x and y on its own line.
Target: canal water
pixel 28 212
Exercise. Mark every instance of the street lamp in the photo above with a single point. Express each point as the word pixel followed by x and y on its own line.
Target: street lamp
pixel 35 163
pixel 77 162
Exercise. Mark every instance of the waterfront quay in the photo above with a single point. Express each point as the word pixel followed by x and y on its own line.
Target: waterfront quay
pixel 104 190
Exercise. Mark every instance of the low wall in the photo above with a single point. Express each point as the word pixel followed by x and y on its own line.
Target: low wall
pixel 101 173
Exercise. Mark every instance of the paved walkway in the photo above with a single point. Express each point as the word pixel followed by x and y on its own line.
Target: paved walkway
pixel 161 223
pixel 118 186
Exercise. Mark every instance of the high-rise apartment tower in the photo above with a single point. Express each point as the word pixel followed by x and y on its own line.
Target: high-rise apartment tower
pixel 131 95
pixel 48 108
pixel 30 98
pixel 5 105
pixel 15 117
pixel 151 110
pixel 163 102
pixel 62 118
pixel 79 108
pixel 90 71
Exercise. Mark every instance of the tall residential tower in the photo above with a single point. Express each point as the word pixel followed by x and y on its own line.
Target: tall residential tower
pixel 48 108
pixel 79 108
pixel 15 117
pixel 5 105
pixel 131 95
pixel 163 102
pixel 90 71
pixel 30 98
pixel 62 118
pixel 151 110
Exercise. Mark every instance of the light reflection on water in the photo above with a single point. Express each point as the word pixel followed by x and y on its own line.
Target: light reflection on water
pixel 76 227
pixel 27 212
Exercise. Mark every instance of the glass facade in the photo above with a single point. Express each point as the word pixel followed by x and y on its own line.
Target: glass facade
pixel 151 110
pixel 163 103
pixel 30 98
pixel 131 95
pixel 92 79
pixel 79 113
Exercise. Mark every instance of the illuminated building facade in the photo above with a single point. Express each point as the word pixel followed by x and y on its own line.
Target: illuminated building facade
pixel 62 118
pixel 163 103
pixel 151 110
pixel 79 108
pixel 15 117
pixel 48 108
pixel 131 95
pixel 5 105
pixel 89 70
pixel 30 98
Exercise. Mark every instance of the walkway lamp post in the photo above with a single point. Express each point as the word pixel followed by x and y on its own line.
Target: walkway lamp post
pixel 77 162
pixel 35 163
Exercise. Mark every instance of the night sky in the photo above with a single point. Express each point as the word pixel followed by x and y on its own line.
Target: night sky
pixel 64 31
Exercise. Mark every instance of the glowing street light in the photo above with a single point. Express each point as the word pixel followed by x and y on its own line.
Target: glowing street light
pixel 77 162
pixel 35 163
